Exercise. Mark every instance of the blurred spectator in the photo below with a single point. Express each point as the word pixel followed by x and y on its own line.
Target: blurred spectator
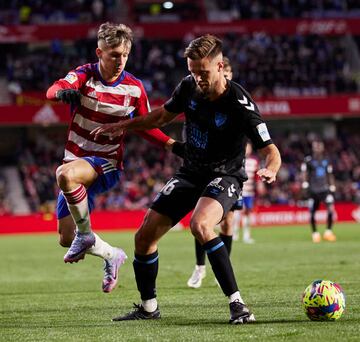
pixel 148 167
pixel 274 9
pixel 55 11
pixel 4 204
pixel 265 65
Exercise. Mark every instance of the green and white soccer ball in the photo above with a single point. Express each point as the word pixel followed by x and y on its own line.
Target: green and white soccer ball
pixel 323 300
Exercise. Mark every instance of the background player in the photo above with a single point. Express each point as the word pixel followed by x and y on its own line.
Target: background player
pixel 219 115
pixel 99 93
pixel 319 183
pixel 250 187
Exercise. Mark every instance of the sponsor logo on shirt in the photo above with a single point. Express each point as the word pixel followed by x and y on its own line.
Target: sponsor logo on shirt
pixel 216 183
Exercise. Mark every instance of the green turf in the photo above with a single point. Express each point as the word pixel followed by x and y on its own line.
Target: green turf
pixel 43 299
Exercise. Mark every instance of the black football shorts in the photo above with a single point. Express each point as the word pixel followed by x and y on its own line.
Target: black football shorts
pixel 181 193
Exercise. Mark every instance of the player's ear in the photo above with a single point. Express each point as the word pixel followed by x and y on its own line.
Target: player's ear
pixel 98 52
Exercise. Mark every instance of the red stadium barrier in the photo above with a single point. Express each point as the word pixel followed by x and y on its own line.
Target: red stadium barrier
pixel 165 30
pixel 53 113
pixel 126 220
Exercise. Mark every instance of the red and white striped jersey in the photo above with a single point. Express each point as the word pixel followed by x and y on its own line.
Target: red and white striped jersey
pixel 101 103
pixel 251 166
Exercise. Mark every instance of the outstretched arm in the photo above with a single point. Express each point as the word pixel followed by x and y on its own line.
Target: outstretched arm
pixel 155 119
pixel 272 163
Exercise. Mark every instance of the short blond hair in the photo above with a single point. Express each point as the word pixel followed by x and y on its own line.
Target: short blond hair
pixel 204 46
pixel 114 35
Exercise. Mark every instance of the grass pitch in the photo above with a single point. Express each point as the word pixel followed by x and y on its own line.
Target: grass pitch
pixel 43 299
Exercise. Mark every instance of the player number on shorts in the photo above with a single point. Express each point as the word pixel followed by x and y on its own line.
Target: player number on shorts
pixel 169 186
pixel 231 190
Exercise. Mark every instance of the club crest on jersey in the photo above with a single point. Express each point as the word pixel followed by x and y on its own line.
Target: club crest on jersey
pixel 220 119
pixel 71 77
pixel 192 105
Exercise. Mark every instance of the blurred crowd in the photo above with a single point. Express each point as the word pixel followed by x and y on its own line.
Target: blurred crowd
pixel 54 11
pixel 148 167
pixel 273 9
pixel 342 152
pixel 265 65
pixel 4 203
pixel 79 11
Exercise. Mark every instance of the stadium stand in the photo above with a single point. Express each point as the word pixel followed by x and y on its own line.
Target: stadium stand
pixel 298 61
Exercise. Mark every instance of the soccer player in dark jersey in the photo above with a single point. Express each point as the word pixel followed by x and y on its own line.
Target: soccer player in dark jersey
pixel 319 182
pixel 219 115
pixel 226 225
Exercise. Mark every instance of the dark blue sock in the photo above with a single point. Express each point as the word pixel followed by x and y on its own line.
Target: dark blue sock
pixel 146 269
pixel 221 265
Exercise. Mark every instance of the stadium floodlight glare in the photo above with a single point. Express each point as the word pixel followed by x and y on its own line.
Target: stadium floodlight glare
pixel 168 4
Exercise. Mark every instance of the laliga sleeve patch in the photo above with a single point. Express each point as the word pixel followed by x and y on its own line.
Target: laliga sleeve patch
pixel 263 131
pixel 71 77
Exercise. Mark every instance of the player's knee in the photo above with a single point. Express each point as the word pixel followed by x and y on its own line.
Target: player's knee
pixel 63 176
pixel 198 228
pixel 142 244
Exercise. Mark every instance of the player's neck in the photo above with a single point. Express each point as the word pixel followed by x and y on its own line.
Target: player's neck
pixel 108 77
pixel 219 90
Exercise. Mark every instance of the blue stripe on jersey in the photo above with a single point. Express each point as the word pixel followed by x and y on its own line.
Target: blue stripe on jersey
pixel 148 262
pixel 214 248
pixel 112 84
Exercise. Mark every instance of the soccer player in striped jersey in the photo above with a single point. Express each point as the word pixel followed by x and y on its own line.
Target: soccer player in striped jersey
pixel 98 93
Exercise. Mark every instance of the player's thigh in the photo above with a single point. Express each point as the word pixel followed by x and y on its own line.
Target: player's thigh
pixel 154 226
pixel 227 223
pixel 78 171
pixel 177 198
pixel 225 191
pixel 66 229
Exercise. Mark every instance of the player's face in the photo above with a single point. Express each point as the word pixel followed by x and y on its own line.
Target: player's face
pixel 228 73
pixel 113 60
pixel 318 147
pixel 206 73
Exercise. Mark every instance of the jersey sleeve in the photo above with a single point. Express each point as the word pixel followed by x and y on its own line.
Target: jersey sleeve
pixel 74 79
pixel 256 128
pixel 142 107
pixel 177 102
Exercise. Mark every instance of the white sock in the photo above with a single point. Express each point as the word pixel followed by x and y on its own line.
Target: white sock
pixel 101 249
pixel 246 227
pixel 77 202
pixel 149 305
pixel 201 268
pixel 235 296
pixel 236 220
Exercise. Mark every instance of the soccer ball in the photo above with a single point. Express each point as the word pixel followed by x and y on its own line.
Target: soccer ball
pixel 323 300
